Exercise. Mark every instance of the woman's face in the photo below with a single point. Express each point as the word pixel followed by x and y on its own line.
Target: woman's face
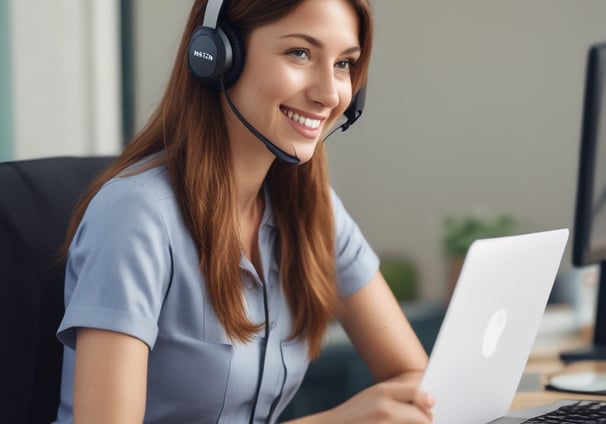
pixel 296 79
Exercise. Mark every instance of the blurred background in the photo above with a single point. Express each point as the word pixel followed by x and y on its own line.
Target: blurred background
pixel 473 112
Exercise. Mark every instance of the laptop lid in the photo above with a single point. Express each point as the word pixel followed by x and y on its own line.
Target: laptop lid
pixel 490 325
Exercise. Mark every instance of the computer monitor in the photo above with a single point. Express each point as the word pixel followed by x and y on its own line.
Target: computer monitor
pixel 589 232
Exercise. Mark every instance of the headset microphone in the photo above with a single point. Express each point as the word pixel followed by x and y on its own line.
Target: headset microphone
pixel 355 108
pixel 353 112
pixel 279 153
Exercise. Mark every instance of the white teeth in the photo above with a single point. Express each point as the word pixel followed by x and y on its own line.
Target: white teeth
pixel 308 122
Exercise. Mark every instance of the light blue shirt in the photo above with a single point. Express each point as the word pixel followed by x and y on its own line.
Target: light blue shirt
pixel 133 269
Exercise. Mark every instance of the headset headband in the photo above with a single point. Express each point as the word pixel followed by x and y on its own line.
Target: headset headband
pixel 212 13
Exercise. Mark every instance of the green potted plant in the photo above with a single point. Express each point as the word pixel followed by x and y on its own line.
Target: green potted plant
pixel 461 231
pixel 401 276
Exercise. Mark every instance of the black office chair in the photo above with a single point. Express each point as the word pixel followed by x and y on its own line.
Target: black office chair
pixel 36 200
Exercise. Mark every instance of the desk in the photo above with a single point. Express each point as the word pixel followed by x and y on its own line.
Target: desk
pixel 544 361
pixel 527 399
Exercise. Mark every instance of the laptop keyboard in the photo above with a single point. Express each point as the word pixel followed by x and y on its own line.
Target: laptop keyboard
pixel 580 412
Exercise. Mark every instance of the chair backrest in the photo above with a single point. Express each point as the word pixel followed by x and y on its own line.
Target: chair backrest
pixel 36 200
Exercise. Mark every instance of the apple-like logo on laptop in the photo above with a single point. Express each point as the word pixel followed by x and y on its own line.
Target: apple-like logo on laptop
pixel 492 333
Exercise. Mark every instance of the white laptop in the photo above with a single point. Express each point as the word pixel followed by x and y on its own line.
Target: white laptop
pixel 491 323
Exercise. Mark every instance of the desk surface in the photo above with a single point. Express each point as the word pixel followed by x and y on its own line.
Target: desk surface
pixel 544 363
pixel 531 398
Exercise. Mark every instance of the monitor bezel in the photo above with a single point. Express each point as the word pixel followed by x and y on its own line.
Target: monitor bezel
pixel 583 253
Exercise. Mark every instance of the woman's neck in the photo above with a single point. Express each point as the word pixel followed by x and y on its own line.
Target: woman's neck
pixel 249 220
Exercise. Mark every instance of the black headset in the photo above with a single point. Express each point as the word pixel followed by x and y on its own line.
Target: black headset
pixel 216 56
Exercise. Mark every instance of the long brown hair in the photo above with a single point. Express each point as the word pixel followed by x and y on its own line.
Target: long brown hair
pixel 189 126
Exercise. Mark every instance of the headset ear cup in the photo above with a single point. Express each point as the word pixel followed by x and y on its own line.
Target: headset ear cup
pixel 237 49
pixel 203 45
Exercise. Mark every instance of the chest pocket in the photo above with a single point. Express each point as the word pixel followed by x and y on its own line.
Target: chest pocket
pixel 187 380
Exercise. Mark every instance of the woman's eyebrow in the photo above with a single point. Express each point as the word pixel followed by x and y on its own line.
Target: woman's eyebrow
pixel 317 43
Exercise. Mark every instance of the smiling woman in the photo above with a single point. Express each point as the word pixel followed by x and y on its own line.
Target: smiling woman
pixel 203 267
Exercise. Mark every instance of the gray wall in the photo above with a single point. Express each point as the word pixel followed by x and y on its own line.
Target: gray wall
pixel 473 105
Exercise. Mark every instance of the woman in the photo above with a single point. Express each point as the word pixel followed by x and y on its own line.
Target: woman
pixel 203 271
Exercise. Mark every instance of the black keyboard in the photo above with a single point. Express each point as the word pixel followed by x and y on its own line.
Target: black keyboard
pixel 579 412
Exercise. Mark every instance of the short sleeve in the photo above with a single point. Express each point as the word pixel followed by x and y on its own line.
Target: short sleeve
pixel 119 265
pixel 357 262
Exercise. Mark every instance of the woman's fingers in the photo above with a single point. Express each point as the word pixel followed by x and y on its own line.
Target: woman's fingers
pixel 386 402
pixel 407 393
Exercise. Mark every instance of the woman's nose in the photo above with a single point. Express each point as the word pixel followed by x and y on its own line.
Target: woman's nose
pixel 323 88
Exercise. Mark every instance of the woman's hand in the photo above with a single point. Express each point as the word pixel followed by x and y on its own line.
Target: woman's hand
pixel 397 400
pixel 393 401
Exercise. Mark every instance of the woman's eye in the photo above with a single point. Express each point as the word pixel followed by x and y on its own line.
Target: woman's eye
pixel 345 65
pixel 299 53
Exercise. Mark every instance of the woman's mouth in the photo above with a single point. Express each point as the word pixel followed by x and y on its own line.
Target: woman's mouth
pixel 301 119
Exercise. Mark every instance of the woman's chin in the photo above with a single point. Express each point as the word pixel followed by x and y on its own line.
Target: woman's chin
pixel 303 150
pixel 304 155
